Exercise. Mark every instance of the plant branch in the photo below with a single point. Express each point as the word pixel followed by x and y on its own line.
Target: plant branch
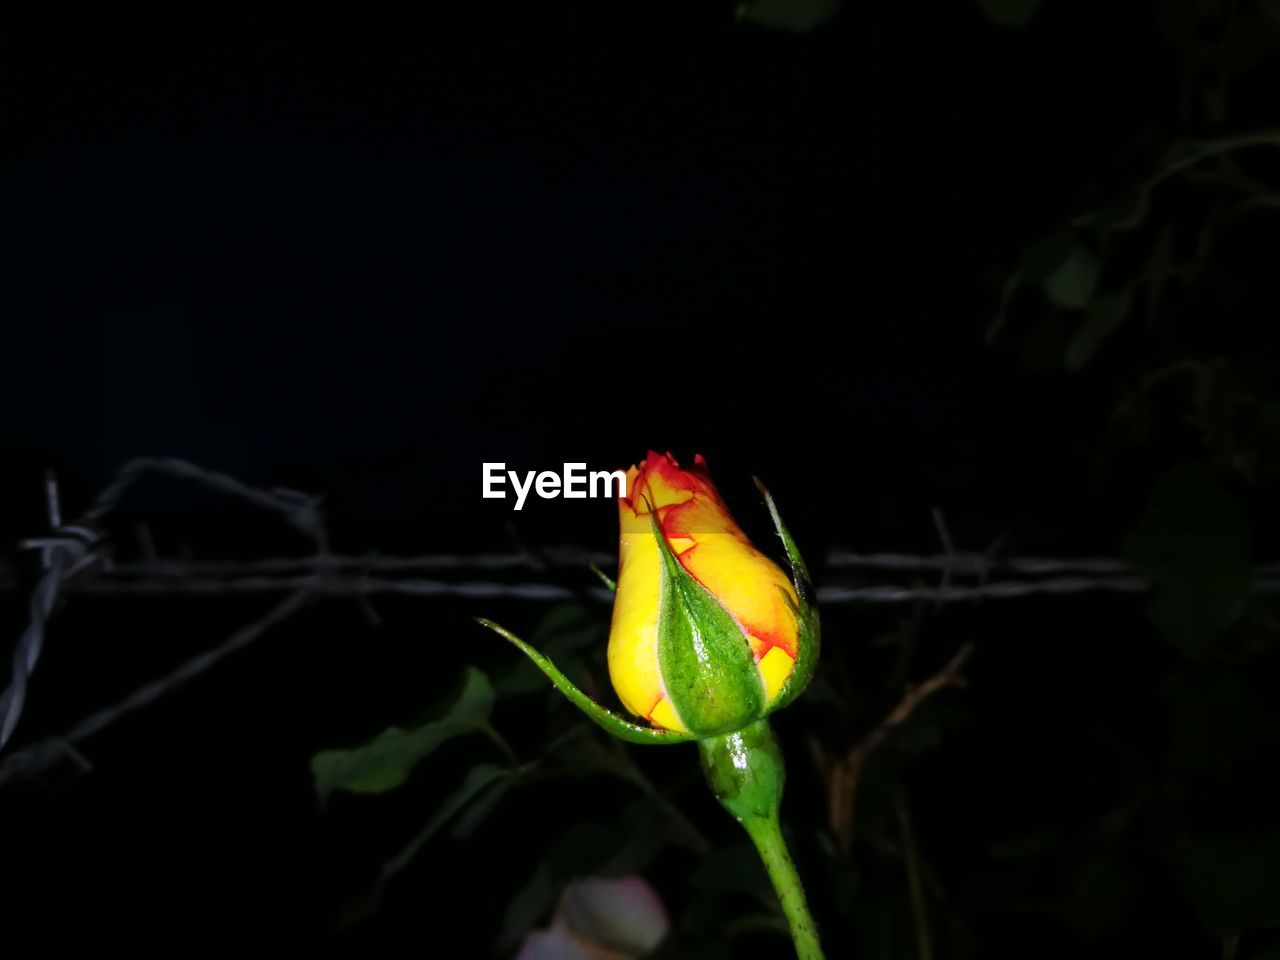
pixel 845 773
pixel 915 885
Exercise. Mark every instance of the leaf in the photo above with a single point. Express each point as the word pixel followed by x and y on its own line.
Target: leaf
pixel 478 811
pixel 1043 345
pixel 1234 881
pixel 1126 210
pixel 797 16
pixel 1009 13
pixel 1104 893
pixel 386 761
pixel 1104 316
pixel 1195 542
pixel 479 779
pixel 1217 723
pixel 1158 270
pixel 584 848
pixel 1025 846
pixel 1072 283
pixel 1044 256
pixel 647 830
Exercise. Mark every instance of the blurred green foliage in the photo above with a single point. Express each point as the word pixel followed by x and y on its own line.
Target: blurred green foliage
pixel 385 761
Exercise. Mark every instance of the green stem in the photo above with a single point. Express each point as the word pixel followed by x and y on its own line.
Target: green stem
pixel 745 772
pixel 766 834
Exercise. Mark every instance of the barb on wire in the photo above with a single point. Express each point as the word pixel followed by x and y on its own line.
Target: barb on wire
pixel 944 535
pixel 66 551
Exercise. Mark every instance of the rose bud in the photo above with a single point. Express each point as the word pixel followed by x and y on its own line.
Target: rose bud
pixel 708 633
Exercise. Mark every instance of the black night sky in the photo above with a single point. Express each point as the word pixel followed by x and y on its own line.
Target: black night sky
pixel 359 254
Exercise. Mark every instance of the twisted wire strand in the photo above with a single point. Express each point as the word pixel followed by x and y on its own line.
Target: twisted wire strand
pixel 72 562
pixel 345 585
pixel 960 564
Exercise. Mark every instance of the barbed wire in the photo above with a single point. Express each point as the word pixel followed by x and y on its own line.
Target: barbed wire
pixel 73 561
pixel 172 578
pixel 837 559
pixel 115 576
pixel 71 549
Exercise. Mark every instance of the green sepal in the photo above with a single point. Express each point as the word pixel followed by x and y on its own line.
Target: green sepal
pixel 707 667
pixel 808 628
pixel 799 570
pixel 618 726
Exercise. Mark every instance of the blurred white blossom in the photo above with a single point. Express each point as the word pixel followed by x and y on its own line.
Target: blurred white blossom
pixel 601 918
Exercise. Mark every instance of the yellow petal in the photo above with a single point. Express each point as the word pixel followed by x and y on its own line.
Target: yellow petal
pixel 775 667
pixel 633 636
pixel 664 715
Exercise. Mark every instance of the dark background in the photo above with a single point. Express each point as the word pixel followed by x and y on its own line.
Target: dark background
pixel 359 255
